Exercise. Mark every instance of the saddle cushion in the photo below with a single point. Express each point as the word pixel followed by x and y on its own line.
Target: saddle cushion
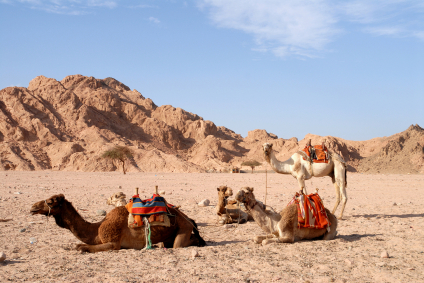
pixel 154 209
pixel 321 153
pixel 310 211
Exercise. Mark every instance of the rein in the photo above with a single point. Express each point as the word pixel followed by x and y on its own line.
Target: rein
pixel 47 216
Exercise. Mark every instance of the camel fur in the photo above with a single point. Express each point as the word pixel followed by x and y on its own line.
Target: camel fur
pixel 305 169
pixel 112 233
pixel 227 210
pixel 283 226
pixel 117 199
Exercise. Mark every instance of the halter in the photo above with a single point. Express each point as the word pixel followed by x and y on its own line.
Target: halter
pixel 45 201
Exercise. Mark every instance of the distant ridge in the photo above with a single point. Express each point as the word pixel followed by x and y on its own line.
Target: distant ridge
pixel 67 124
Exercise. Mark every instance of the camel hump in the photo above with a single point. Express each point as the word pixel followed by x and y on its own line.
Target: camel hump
pixel 304 155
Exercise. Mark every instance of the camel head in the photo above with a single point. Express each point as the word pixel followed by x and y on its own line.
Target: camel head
pixel 224 191
pixel 267 147
pixel 117 199
pixel 50 206
pixel 246 196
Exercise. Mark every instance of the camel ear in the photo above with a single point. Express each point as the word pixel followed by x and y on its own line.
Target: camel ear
pixel 217 189
pixel 270 145
pixel 59 198
pixel 249 189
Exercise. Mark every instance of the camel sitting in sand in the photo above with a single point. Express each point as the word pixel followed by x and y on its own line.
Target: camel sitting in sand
pixel 303 170
pixel 282 226
pixel 112 233
pixel 227 210
pixel 117 199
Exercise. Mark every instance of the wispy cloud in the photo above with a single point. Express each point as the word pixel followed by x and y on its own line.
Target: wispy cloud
pixel 306 27
pixel 154 20
pixel 69 7
pixel 299 27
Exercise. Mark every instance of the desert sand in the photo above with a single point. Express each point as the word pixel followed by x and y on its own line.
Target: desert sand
pixel 383 213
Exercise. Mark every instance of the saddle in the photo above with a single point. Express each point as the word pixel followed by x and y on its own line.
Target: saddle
pixel 311 211
pixel 317 153
pixel 153 210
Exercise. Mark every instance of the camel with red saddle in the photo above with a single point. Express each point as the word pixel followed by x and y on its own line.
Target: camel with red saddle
pixel 283 226
pixel 302 167
pixel 113 233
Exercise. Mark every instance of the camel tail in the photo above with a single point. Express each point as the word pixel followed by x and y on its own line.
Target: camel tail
pixel 333 227
pixel 345 182
pixel 202 242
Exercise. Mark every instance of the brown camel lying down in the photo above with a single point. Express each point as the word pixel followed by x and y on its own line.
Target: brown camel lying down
pixel 227 210
pixel 112 233
pixel 282 226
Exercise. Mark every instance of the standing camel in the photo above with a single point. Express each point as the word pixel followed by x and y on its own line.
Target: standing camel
pixel 303 170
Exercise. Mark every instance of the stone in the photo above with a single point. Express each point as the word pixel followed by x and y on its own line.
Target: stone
pixel 162 192
pixel 33 240
pixel 2 256
pixel 204 202
pixel 101 212
pixel 384 254
pixel 194 253
pixel 22 230
pixel 348 262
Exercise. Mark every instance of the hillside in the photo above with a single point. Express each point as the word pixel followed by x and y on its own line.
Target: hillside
pixel 68 124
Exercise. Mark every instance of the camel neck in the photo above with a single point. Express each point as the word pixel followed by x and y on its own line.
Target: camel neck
pixel 70 219
pixel 220 207
pixel 266 220
pixel 282 167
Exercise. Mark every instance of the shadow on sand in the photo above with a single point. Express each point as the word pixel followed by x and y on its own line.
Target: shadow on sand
pixel 356 237
pixel 389 215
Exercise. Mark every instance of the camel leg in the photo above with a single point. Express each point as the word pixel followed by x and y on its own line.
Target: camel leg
pixel 336 186
pixel 344 200
pixel 340 185
pixel 301 181
pixel 259 239
pixel 98 248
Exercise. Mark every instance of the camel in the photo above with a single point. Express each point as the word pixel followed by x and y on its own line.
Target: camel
pixel 112 233
pixel 228 210
pixel 284 225
pixel 117 199
pixel 304 170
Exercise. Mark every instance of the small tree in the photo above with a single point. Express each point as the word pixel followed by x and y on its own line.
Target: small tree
pixel 251 163
pixel 120 154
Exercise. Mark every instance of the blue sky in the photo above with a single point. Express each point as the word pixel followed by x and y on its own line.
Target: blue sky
pixel 352 69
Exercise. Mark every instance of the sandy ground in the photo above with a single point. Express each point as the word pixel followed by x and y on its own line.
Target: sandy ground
pixel 384 213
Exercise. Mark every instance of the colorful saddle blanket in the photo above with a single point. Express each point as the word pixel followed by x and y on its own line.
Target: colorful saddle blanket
pixel 310 211
pixel 154 209
pixel 317 153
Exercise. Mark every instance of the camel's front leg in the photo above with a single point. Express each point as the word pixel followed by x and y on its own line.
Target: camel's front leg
pixel 259 239
pixel 98 248
pixel 301 181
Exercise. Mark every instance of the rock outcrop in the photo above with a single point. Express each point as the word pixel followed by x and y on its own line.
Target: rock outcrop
pixel 68 124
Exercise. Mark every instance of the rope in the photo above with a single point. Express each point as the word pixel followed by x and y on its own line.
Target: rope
pixel 148 233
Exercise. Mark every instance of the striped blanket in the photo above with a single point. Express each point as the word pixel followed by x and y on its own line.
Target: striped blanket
pixel 151 208
pixel 310 211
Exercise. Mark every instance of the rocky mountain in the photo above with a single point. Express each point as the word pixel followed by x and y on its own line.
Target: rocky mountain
pixel 68 124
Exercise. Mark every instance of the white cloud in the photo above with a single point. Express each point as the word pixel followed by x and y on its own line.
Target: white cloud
pixel 299 27
pixel 154 20
pixel 305 28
